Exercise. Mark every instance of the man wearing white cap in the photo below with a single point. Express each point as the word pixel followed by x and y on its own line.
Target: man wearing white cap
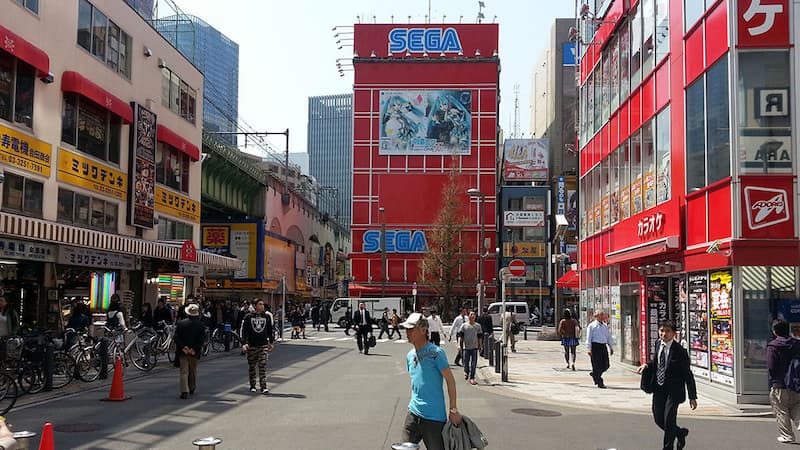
pixel 189 334
pixel 428 367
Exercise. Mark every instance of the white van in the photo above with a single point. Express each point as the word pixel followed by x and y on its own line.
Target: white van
pixel 521 312
pixel 374 306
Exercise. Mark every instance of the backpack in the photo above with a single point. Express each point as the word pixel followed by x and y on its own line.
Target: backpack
pixel 112 322
pixel 792 378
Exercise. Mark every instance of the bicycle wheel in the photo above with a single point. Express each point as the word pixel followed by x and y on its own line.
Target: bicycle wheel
pixel 171 351
pixel 235 341
pixel 87 364
pixel 217 340
pixel 8 393
pixel 206 344
pixel 31 379
pixel 143 357
pixel 63 370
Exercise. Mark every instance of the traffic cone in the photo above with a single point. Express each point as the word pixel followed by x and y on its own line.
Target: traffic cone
pixel 46 443
pixel 117 393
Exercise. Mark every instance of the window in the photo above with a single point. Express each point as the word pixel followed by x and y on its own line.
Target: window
pixel 604 187
pixel 30 5
pixel 22 195
pixel 648 43
pixel 83 210
pixel 177 95
pixel 636 173
pixel 636 47
pixel 171 230
pixel 103 38
pixel 662 29
pixel 614 74
pixel 91 128
pixel 606 86
pixel 17 82
pixel 590 111
pixel 649 165
pixel 598 198
pixel 598 96
pixel 624 63
pixel 613 167
pixel 172 167
pixel 692 12
pixel 624 181
pixel 708 144
pixel 663 158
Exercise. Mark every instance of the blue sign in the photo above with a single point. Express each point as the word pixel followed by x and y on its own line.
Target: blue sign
pixel 570 51
pixel 561 196
pixel 420 40
pixel 397 241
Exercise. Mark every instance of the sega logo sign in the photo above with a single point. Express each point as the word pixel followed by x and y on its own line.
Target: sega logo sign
pixel 397 241
pixel 420 40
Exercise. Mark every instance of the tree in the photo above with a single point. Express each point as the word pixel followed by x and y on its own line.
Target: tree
pixel 441 266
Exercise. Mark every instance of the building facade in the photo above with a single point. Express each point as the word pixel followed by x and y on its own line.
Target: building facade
pixel 330 149
pixel 101 182
pixel 217 58
pixel 686 162
pixel 422 108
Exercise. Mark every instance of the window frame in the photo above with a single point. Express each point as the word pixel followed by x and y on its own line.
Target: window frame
pixel 107 205
pixel 113 128
pixel 164 223
pixel 14 101
pixel 111 55
pixel 175 92
pixel 25 4
pixel 25 197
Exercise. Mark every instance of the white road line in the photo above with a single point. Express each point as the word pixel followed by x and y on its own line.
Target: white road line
pixel 345 339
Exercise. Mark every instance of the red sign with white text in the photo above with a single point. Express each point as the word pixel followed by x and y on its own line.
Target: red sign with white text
pixel 767 203
pixel 653 224
pixel 763 23
pixel 436 40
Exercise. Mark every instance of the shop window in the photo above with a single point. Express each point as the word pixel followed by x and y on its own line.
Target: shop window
pixel 17 82
pixel 636 173
pixel 172 167
pixel 648 36
pixel 636 46
pixel 648 165
pixel 624 181
pixel 103 38
pixel 662 29
pixel 172 230
pixel 82 210
pixel 708 149
pixel 91 128
pixel 30 5
pixel 177 95
pixel 768 293
pixel 22 195
pixel 765 122
pixel 663 158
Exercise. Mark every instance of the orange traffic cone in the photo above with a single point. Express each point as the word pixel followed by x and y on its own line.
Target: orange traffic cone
pixel 47 437
pixel 117 393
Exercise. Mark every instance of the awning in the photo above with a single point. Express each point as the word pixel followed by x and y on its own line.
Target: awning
pixel 25 51
pixel 172 138
pixel 75 82
pixel 571 280
pixel 662 245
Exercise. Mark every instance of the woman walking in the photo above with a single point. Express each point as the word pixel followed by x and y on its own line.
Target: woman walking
pixel 569 330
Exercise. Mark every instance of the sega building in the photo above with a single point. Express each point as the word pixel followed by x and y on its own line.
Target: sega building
pixel 425 103
pixel 688 181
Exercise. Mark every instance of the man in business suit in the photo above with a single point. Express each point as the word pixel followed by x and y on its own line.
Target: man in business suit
pixel 671 377
pixel 362 322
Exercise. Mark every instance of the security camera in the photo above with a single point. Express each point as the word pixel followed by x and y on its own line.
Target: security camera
pixel 2 177
pixel 713 248
pixel 49 78
pixel 574 35
pixel 585 11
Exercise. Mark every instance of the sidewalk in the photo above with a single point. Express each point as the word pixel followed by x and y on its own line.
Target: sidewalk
pixel 538 371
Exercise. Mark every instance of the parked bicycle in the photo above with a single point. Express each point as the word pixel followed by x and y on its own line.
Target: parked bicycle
pixel 222 334
pixel 135 345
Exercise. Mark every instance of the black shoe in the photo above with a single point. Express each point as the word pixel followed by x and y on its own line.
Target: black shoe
pixel 191 391
pixel 184 395
pixel 601 386
pixel 682 438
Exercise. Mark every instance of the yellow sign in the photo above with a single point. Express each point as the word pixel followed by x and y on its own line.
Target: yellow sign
pixel 89 174
pixel 214 237
pixel 238 239
pixel 177 205
pixel 22 151
pixel 524 250
pixel 527 291
pixel 300 284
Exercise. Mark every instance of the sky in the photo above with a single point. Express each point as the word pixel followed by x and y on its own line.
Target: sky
pixel 287 50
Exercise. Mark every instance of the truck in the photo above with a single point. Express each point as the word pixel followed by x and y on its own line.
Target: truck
pixel 374 306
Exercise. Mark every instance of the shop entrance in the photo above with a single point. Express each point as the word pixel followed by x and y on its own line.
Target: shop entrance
pixel 629 295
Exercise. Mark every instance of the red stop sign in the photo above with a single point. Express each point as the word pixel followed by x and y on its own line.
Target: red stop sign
pixel 517 267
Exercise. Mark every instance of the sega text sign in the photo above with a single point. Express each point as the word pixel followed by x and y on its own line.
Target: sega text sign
pixel 453 39
pixel 763 23
pixel 397 241
pixel 767 207
pixel 418 40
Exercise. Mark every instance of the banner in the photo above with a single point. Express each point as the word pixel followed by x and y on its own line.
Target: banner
pixel 142 167
pixel 425 122
pixel 80 171
pixel 523 218
pixel 24 152
pixel 526 159
pixel 237 239
pixel 177 205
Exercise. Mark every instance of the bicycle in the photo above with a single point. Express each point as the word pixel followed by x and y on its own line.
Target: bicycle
pixel 220 334
pixel 85 354
pixel 139 350
pixel 165 340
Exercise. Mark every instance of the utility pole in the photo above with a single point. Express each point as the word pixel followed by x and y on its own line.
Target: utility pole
pixel 383 253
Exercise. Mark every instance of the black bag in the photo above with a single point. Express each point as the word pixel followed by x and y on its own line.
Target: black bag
pixel 371 341
pixel 515 328
pixel 647 383
pixel 112 322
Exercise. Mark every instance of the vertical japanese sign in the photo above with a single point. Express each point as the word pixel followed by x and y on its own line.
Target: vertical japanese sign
pixel 657 310
pixel 141 167
pixel 680 309
pixel 561 196
pixel 721 327
pixel 698 321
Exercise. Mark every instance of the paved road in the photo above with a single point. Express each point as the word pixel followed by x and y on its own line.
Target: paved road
pixel 326 395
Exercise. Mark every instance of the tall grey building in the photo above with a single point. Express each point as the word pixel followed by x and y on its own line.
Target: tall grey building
pixel 330 151
pixel 218 58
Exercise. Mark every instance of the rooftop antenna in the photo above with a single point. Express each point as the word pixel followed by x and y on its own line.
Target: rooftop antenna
pixel 460 19
pixel 515 129
pixel 444 18
pixel 429 12
pixel 481 5
pixel 374 19
pixel 392 16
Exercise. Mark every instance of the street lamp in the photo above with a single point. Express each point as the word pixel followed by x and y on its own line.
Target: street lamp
pixel 474 192
pixel 383 253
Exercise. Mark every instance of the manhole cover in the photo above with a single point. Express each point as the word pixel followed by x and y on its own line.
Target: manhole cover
pixel 76 427
pixel 536 412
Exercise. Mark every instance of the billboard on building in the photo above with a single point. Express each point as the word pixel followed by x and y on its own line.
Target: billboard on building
pixel 526 159
pixel 237 239
pixel 142 167
pixel 425 122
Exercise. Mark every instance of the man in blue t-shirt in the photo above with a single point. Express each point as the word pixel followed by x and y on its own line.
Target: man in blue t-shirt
pixel 428 367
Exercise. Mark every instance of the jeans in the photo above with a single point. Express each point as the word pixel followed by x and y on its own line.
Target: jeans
pixel 429 431
pixel 470 362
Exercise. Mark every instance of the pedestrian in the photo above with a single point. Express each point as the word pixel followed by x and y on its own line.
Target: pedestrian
pixel 509 323
pixel 435 326
pixel 569 330
pixel 671 377
pixel 280 313
pixel 315 316
pixel 163 312
pixel 146 315
pixel 324 315
pixel 785 402
pixel 384 323
pixel 486 326
pixel 115 318
pixel 471 335
pixel 348 320
pixel 428 368
pixel 599 343
pixel 189 334
pixel 362 322
pixel 395 325
pixel 79 319
pixel 257 339
pixel 9 319
pixel 302 316
pixel 455 329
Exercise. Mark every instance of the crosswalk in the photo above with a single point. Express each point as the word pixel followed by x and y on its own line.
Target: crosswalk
pixel 343 339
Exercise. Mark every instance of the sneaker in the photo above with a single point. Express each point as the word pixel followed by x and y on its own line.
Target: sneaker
pixel 785 440
pixel 253 389
pixel 264 391
pixel 184 395
pixel 473 382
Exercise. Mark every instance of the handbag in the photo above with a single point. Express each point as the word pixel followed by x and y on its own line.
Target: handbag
pixel 371 341
pixel 647 383
pixel 578 330
pixel 515 328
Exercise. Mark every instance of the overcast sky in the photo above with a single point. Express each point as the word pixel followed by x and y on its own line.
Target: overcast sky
pixel 287 51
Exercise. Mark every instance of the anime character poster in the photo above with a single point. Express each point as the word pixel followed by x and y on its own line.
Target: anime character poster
pixel 425 122
pixel 526 159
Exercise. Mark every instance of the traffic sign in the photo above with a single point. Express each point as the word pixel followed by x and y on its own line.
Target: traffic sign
pixel 517 267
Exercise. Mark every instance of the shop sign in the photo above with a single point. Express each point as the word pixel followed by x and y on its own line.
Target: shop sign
pixel 190 269
pixel 561 196
pixel 397 241
pixel 763 23
pixel 544 291
pixel 188 251
pixel 24 152
pixel 523 250
pixel 29 251
pixel 177 205
pixel 526 159
pixel 78 256
pixel 418 40
pixel 768 207
pixel 523 218
pixel 142 167
pixel 650 225
pixel 92 175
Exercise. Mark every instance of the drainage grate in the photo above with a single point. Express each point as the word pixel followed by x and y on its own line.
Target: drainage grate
pixel 536 412
pixel 76 427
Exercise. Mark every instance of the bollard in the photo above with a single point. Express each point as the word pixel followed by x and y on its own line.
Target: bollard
pixel 208 443
pixel 23 439
pixel 504 363
pixel 498 354
pixel 47 366
pixel 490 350
pixel 525 335
pixel 103 350
pixel 405 446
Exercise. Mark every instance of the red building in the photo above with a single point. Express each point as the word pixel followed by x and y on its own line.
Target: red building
pixel 688 181
pixel 425 102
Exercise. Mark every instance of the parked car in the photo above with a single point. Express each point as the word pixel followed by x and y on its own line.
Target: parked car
pixel 521 312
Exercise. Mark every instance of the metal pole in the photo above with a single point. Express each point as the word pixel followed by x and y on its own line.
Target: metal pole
pixel 383 253
pixel 481 252
pixel 283 304
pixel 286 173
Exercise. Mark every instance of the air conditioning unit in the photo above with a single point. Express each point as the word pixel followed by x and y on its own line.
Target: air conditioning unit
pixel 285 199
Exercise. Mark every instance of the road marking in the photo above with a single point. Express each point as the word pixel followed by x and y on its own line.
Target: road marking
pixel 345 339
pixel 325 339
